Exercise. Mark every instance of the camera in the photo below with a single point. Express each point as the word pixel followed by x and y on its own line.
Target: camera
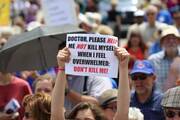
pixel 12 106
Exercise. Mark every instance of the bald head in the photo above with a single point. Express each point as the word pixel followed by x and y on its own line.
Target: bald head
pixel 151 13
pixel 152 8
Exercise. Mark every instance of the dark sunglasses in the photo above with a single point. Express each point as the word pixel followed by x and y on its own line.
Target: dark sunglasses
pixel 172 114
pixel 139 76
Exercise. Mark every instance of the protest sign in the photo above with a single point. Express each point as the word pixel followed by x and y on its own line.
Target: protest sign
pixel 59 12
pixel 92 55
pixel 4 12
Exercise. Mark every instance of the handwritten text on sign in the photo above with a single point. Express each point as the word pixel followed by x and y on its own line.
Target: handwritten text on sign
pixel 92 55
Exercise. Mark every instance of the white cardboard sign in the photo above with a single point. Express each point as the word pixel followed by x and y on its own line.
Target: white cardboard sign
pixel 58 12
pixel 92 55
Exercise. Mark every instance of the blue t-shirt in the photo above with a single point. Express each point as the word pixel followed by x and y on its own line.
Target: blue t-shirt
pixel 156 47
pixel 151 109
pixel 164 16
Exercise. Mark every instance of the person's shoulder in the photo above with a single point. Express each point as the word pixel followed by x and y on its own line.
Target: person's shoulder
pixel 98 80
pixel 156 56
pixel 133 94
pixel 161 25
pixel 19 81
pixel 143 25
pixel 165 12
pixel 157 95
pixel 133 100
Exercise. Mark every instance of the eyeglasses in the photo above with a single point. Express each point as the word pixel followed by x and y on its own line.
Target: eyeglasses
pixel 139 76
pixel 27 115
pixel 171 113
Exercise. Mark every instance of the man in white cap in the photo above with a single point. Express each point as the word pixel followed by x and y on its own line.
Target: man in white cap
pixel 171 103
pixel 169 41
pixel 138 19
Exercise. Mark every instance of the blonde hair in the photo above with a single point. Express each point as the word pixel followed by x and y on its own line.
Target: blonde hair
pixel 104 29
pixel 43 77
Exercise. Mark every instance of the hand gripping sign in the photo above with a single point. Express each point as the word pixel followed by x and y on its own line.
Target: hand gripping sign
pixel 92 55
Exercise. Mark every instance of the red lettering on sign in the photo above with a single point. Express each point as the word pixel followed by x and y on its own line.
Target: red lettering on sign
pixel 103 70
pixel 93 70
pixel 111 41
pixel 80 69
pixel 81 46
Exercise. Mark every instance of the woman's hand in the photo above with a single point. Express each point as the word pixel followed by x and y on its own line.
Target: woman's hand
pixel 63 56
pixel 4 116
pixel 123 56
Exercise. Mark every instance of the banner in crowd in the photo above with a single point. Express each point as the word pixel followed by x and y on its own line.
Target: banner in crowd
pixel 4 12
pixel 58 12
pixel 92 55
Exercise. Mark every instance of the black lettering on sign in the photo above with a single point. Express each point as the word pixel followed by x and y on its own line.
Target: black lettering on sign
pixel 71 46
pixel 106 47
pixel 97 39
pixel 100 55
pixel 92 47
pixel 77 38
pixel 90 62
pixel 84 54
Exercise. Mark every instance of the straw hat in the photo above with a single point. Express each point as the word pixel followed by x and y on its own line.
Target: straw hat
pixel 108 96
pixel 170 30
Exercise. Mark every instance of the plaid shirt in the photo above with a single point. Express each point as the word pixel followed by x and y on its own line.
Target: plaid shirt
pixel 161 64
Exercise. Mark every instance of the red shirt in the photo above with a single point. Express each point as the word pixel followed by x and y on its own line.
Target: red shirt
pixel 17 89
pixel 139 54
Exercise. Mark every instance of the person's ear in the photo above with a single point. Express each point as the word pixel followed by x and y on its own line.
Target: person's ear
pixel 154 77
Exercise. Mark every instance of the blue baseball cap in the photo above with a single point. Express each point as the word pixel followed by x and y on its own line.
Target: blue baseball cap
pixel 143 66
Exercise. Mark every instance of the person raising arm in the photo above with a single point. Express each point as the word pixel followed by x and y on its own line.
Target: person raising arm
pixel 90 110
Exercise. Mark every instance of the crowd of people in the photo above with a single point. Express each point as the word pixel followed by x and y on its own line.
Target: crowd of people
pixel 148 84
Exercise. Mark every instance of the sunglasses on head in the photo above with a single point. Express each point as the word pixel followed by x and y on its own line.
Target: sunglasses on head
pixel 171 113
pixel 139 76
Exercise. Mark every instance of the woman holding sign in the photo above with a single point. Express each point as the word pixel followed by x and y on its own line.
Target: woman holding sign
pixel 85 110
